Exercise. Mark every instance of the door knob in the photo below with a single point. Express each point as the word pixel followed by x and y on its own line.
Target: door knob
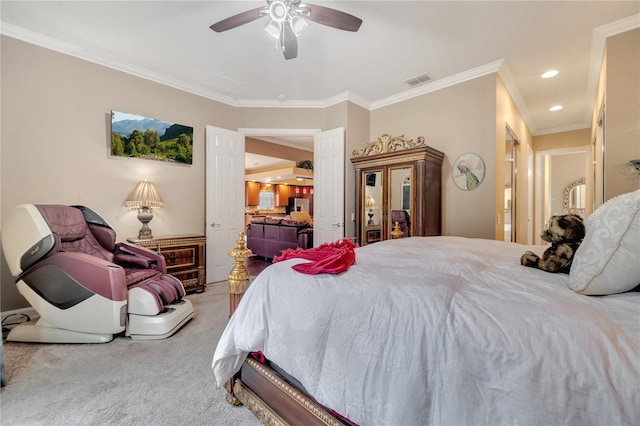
pixel 215 225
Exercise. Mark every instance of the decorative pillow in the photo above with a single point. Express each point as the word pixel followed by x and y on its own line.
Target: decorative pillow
pixel 608 260
pixel 272 220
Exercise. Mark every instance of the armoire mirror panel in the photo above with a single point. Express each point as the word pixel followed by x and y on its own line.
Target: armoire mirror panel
pixel 371 219
pixel 401 194
pixel 397 180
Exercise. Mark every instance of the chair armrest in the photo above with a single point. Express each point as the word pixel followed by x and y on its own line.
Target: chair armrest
pixel 156 261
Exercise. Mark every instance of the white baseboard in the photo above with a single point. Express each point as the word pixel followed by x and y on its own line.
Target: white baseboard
pixel 17 312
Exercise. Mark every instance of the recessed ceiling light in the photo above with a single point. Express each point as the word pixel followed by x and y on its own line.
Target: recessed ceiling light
pixel 549 74
pixel 555 108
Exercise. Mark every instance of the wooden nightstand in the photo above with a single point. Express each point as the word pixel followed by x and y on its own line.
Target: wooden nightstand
pixel 184 256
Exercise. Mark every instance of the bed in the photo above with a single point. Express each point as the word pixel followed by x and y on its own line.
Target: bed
pixel 445 330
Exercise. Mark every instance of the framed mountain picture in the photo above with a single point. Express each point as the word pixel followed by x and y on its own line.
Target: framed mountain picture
pixel 135 136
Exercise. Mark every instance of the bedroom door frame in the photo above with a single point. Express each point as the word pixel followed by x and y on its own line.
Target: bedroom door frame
pixel 337 196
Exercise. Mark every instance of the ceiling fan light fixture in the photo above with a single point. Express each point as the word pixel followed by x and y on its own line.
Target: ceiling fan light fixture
pixel 278 11
pixel 274 29
pixel 298 25
pixel 288 19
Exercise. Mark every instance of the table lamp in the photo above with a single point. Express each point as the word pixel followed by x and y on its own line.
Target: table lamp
pixel 370 204
pixel 143 197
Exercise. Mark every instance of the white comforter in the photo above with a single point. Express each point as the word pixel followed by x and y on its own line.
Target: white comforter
pixel 444 330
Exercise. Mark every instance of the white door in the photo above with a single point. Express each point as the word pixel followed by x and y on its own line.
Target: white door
pixel 224 199
pixel 328 186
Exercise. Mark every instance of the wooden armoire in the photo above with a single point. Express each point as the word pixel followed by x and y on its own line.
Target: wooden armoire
pixel 397 177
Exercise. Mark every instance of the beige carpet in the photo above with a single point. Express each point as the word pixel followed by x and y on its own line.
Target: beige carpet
pixel 161 382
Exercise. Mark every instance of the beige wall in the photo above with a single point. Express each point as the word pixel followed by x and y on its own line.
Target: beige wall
pixel 55 140
pixel 569 139
pixel 622 116
pixel 454 120
pixel 358 135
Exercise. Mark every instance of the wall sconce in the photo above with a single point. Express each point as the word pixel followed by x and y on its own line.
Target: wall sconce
pixel 370 204
pixel 143 197
pixel 636 164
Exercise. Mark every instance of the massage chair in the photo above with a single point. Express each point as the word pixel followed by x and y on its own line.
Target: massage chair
pixel 85 287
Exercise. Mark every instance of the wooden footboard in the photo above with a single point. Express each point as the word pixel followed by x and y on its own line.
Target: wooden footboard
pixel 273 400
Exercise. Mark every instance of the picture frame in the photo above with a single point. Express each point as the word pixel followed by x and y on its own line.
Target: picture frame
pixel 371 179
pixel 136 136
pixel 468 171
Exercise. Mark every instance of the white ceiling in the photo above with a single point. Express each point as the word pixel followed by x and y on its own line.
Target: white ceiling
pixel 170 42
pixel 257 161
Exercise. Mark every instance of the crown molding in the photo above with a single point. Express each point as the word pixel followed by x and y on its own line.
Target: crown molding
pixel 600 35
pixel 341 97
pixel 37 39
pixel 516 96
pixel 578 126
pixel 439 84
pixel 50 43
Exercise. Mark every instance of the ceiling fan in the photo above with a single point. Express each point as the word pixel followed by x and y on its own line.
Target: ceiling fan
pixel 288 18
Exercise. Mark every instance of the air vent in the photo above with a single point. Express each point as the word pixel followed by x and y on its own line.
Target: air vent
pixel 419 79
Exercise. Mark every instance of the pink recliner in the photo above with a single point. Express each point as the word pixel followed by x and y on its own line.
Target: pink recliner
pixel 84 285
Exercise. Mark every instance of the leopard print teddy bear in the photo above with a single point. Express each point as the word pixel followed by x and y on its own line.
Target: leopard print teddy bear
pixel 565 233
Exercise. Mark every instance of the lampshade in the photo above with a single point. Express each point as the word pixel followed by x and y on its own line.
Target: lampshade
pixel 298 25
pixel 371 202
pixel 274 29
pixel 144 195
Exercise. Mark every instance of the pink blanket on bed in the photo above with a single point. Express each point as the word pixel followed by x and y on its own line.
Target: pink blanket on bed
pixel 327 258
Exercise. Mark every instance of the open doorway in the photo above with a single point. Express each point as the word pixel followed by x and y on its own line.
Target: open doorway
pixel 278 162
pixel 327 155
pixel 558 171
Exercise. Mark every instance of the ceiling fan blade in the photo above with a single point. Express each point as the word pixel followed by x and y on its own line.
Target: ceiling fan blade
pixel 332 18
pixel 237 20
pixel 289 42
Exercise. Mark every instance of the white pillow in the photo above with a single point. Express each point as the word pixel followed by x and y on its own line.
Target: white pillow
pixel 608 260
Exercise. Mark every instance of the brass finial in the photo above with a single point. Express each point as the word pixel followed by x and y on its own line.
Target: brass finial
pixel 238 277
pixel 396 232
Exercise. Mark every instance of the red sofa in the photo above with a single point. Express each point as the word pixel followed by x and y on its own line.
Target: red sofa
pixel 268 237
